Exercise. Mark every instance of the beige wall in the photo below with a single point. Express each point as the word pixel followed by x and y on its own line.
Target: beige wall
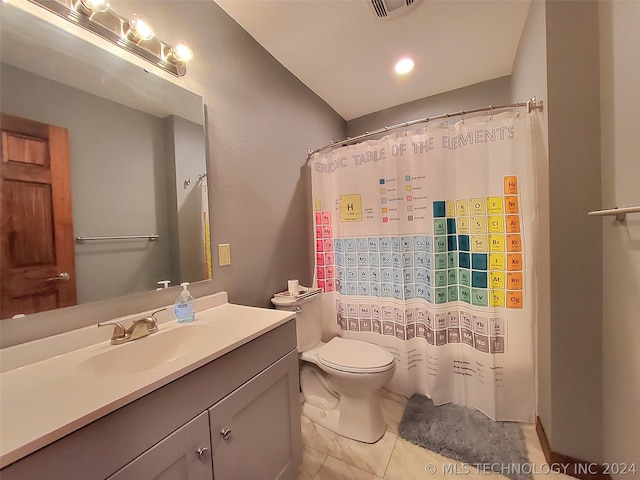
pixel 620 110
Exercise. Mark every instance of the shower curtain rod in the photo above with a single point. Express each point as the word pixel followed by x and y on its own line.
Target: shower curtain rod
pixel 532 104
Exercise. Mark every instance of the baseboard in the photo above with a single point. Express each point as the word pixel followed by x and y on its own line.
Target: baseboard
pixel 565 464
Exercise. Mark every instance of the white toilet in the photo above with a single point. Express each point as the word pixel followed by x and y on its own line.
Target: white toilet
pixel 339 379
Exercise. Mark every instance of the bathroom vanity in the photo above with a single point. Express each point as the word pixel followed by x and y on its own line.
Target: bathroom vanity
pixel 215 398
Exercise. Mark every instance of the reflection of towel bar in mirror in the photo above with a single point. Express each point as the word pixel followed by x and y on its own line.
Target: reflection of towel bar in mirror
pixel 151 238
pixel 619 212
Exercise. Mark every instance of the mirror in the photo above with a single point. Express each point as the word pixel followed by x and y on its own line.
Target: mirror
pixel 136 152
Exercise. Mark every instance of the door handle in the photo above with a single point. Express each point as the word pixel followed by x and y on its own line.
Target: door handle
pixel 226 433
pixel 63 277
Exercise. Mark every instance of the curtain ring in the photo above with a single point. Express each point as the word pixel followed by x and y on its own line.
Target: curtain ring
pixel 490 112
pixel 462 116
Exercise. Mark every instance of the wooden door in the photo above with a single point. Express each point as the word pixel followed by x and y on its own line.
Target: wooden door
pixel 37 266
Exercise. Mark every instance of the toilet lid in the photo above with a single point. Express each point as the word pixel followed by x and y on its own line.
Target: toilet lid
pixel 355 356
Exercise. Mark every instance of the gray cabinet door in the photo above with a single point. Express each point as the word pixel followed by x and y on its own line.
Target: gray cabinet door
pixel 183 455
pixel 255 431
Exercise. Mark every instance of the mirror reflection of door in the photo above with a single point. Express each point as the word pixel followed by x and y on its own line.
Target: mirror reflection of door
pixel 37 266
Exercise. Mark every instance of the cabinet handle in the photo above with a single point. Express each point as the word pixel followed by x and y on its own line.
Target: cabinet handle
pixel 226 433
pixel 202 451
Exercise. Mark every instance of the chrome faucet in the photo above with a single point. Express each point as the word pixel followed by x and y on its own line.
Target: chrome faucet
pixel 138 329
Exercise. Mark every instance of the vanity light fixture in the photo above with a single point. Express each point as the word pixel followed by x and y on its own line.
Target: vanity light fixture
pixel 135 34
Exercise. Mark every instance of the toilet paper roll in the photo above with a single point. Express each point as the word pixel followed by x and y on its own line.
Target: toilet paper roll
pixel 293 288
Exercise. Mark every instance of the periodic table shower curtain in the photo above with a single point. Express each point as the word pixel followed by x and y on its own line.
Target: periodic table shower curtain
pixel 424 246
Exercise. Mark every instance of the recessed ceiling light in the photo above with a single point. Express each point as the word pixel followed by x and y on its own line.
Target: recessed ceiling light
pixel 405 65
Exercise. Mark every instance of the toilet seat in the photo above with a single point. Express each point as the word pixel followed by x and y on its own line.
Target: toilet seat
pixel 354 356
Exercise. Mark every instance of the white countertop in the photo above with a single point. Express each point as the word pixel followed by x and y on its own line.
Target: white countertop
pixel 43 401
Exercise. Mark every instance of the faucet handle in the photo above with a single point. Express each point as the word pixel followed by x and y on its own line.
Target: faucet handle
pixel 118 331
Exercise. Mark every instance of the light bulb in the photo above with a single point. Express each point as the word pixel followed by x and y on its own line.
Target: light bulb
pixel 89 7
pixel 180 53
pixel 140 27
pixel 404 65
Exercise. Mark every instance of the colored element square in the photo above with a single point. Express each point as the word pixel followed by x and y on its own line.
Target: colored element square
pixel 479 261
pixel 383 200
pixel 452 276
pixel 318 207
pixel 479 243
pixel 452 260
pixel 320 259
pixel 384 210
pixel 410 218
pixel 439 209
pixel 478 224
pixel 494 205
pixel 451 225
pixel 511 185
pixel 462 207
pixel 497 261
pixel 407 178
pixel 441 261
pixel 318 218
pixel 440 226
pixel 479 297
pixel 409 198
pixel 327 231
pixel 409 208
pixel 514 280
pixel 511 204
pixel 441 295
pixel 496 243
pixel 319 232
pixel 514 261
pixel 497 298
pixel 428 244
pixel 326 218
pixel 351 208
pixel 451 208
pixel 496 280
pixel 440 244
pixel 440 278
pixel 452 293
pixel 452 243
pixel 464 225
pixel 477 206
pixel 496 224
pixel 464 277
pixel 514 243
pixel 385 219
pixel 464 260
pixel 479 279
pixel 513 223
pixel 319 246
pixel 382 181
pixel 514 299
pixel 408 188
pixel 464 294
pixel 463 243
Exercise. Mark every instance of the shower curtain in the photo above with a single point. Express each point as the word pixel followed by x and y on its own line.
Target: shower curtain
pixel 424 245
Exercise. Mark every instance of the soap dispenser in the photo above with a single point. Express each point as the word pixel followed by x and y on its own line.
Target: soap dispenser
pixel 184 305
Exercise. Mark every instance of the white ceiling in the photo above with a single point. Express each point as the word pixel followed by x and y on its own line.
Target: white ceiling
pixel 343 52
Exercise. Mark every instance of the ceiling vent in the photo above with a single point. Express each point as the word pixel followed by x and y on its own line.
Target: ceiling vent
pixel 391 8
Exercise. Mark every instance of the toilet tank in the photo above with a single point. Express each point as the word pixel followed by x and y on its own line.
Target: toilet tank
pixel 308 318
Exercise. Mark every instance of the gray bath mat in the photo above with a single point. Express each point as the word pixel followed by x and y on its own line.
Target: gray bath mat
pixel 466 435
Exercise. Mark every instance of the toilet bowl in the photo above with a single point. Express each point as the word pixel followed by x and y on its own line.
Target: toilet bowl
pixel 340 380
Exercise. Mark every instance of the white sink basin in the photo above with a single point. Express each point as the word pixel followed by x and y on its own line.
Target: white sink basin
pixel 151 351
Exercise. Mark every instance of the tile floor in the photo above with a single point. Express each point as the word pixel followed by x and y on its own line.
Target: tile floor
pixel 328 456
